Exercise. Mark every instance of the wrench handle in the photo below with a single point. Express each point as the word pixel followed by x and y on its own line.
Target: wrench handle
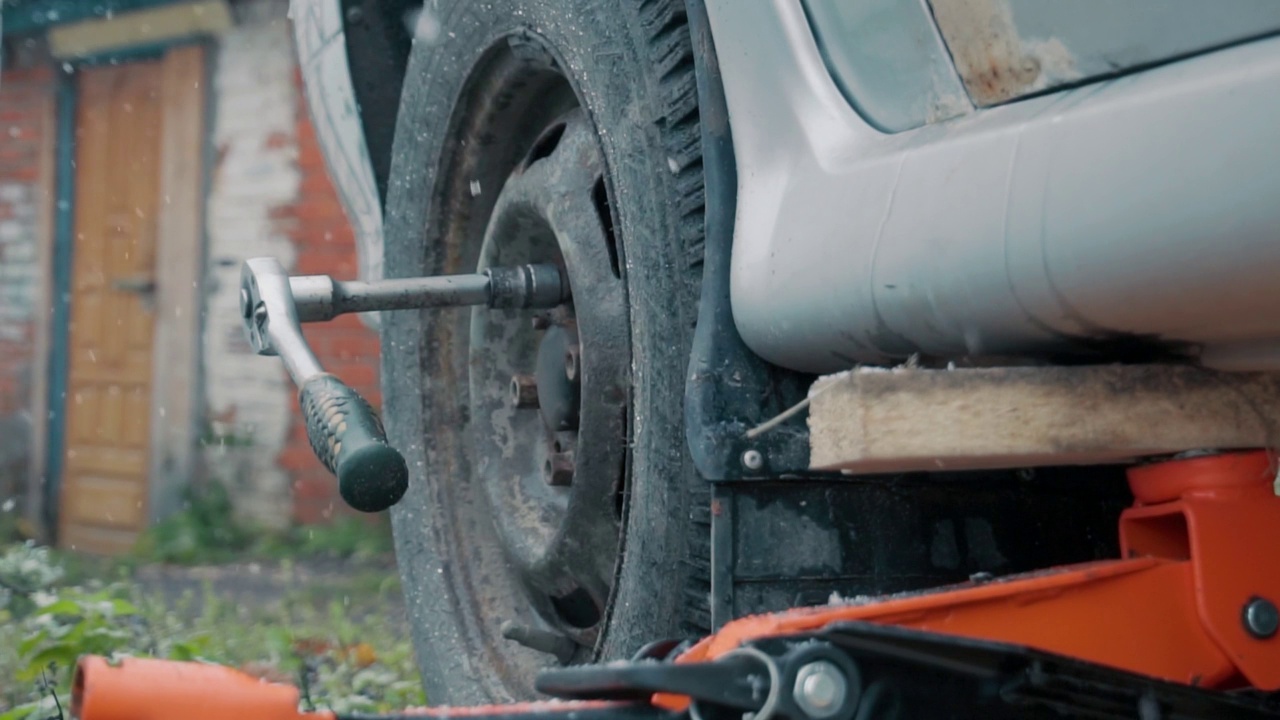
pixel 347 437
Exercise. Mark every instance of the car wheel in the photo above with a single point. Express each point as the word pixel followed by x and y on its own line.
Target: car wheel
pixel 553 514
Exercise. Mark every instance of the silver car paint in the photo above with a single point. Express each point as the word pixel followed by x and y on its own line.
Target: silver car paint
pixel 1144 206
pixel 331 100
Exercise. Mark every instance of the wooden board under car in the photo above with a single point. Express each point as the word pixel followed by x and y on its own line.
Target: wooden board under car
pixel 907 419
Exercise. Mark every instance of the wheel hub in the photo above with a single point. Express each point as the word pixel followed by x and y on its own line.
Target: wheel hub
pixel 559 383
pixel 549 393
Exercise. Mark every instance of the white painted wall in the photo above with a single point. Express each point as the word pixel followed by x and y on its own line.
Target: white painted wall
pixel 249 398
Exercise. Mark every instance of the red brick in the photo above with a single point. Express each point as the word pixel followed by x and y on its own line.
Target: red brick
pixel 338 237
pixel 315 486
pixel 322 262
pixel 312 161
pixel 297 456
pixel 318 227
pixel 355 373
pixel 346 345
pixel 20 174
pixel 312 512
pixel 277 140
pixel 317 186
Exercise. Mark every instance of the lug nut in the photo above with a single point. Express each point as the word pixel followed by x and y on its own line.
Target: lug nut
pixel 572 362
pixel 524 391
pixel 559 469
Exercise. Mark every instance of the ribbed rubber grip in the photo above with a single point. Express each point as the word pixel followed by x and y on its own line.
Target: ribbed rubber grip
pixel 347 437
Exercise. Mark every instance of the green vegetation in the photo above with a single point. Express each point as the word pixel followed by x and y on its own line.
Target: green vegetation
pixel 207 531
pixel 329 638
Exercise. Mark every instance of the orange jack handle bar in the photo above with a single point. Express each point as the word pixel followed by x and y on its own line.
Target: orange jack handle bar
pixel 146 689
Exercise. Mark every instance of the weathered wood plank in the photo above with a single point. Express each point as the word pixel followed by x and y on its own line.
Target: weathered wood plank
pixel 874 421
pixel 179 288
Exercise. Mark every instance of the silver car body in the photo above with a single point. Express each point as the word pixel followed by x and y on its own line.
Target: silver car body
pixel 1140 209
pixel 331 100
pixel 984 178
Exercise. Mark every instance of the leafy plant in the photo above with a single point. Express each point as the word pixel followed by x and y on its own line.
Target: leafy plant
pixel 205 530
pixel 345 537
pixel 343 654
pixel 75 623
pixel 25 569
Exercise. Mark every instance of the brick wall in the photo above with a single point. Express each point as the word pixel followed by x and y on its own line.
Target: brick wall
pixel 271 196
pixel 325 245
pixel 24 96
pixel 268 195
pixel 247 397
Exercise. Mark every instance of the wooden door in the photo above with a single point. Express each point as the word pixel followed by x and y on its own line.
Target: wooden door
pixel 108 404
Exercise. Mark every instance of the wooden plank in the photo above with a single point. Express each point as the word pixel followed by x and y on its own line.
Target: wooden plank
pixel 98 540
pixel 116 461
pixel 152 26
pixel 176 375
pixel 105 502
pixel 874 421
pixel 111 334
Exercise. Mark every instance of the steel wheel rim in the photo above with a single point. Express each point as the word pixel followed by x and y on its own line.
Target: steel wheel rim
pixel 561 540
pixel 515 92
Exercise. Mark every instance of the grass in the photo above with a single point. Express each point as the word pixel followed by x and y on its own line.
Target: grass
pixel 330 636
pixel 207 531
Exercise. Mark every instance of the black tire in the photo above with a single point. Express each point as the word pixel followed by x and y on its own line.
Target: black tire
pixel 630 67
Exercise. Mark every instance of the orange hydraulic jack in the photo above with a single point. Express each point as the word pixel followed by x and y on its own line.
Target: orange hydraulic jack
pixel 1188 614
pixel 1193 601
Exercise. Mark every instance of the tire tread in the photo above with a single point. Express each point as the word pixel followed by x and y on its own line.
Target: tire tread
pixel 670 46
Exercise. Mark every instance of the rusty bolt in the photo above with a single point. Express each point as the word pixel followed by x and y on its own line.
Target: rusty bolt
pixel 524 391
pixel 559 469
pixel 573 362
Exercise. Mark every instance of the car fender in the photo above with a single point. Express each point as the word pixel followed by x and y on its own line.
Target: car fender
pixel 331 99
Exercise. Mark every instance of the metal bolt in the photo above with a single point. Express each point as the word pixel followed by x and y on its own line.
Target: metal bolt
pixel 820 689
pixel 1261 618
pixel 524 391
pixel 572 362
pixel 541 321
pixel 246 306
pixel 752 460
pixel 540 640
pixel 559 469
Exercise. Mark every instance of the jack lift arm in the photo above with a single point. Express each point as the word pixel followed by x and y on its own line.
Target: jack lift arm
pixel 1183 626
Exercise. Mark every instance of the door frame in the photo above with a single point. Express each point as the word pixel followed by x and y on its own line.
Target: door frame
pixel 180 252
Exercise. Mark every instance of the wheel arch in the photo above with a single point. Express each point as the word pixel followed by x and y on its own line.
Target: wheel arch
pixel 378 37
